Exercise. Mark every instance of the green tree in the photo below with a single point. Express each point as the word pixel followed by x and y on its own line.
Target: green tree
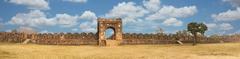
pixel 195 28
pixel 202 28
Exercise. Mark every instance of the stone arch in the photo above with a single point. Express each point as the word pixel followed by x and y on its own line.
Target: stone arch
pixel 113 35
pixel 103 25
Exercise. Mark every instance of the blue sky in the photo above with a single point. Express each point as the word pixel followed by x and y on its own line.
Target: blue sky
pixel 139 16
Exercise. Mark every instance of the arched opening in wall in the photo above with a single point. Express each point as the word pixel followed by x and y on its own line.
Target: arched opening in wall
pixel 109 34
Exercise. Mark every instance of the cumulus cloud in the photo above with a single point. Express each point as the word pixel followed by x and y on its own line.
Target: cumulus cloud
pixel 229 15
pixel 235 3
pixel 76 1
pixel 90 24
pixel 87 27
pixel 152 5
pixel 172 22
pixel 66 20
pixel 37 18
pixel 170 11
pixel 34 18
pixel 128 11
pixel 211 26
pixel 32 4
pixel 132 14
pixel 222 26
pixel 226 26
pixel 150 10
pixel 27 30
pixel 88 15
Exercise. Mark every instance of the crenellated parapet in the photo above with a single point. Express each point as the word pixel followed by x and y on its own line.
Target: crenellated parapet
pixel 50 38
pixel 92 38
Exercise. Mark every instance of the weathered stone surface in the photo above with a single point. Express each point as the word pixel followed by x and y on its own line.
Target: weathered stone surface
pixel 103 25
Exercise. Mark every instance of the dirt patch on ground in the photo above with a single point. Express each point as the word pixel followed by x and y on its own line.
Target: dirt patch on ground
pixel 6 55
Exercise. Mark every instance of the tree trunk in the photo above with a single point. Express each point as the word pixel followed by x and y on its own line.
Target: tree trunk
pixel 195 39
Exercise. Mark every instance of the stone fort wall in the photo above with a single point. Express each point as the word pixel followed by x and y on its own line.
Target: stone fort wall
pixel 92 39
pixel 160 38
pixel 51 38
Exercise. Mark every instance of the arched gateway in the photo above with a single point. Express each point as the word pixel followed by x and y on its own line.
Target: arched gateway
pixel 115 25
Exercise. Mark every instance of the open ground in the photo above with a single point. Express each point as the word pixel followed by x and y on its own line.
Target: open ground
pixel 165 51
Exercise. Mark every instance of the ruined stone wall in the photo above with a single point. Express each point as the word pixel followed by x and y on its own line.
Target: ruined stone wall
pixel 12 37
pixel 160 38
pixel 92 39
pixel 51 38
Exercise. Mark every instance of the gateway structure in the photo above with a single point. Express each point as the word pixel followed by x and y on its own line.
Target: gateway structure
pixel 115 25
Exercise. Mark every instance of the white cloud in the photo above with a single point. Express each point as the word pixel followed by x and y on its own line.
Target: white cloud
pixel 172 22
pixel 25 29
pixel 130 13
pixel 152 5
pixel 234 3
pixel 33 19
pixel 66 20
pixel 87 27
pixel 32 4
pixel 222 26
pixel 229 15
pixel 88 15
pixel 212 26
pixel 37 18
pixel 137 16
pixel 76 1
pixel 127 11
pixel 170 11
pixel 226 26
pixel 90 24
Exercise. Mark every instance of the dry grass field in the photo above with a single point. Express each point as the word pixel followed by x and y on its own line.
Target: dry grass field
pixel 170 51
